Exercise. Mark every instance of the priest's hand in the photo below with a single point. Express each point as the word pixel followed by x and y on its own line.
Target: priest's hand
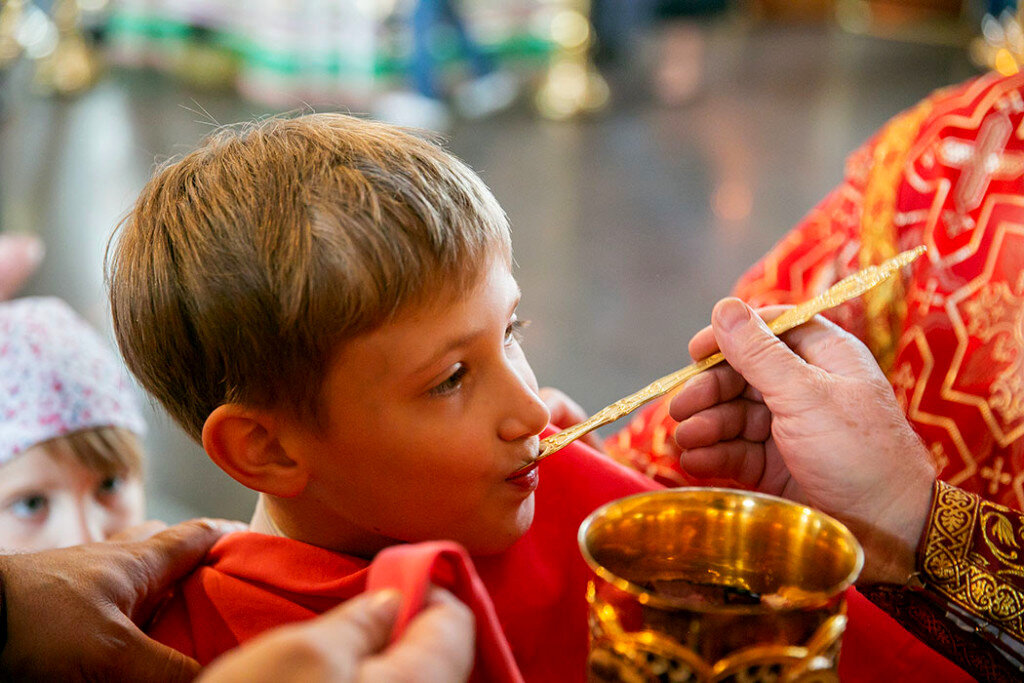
pixel 70 614
pixel 350 644
pixel 813 420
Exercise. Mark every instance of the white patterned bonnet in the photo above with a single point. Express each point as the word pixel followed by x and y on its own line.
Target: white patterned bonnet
pixel 57 376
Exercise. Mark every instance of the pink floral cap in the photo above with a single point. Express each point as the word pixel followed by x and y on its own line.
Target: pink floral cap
pixel 57 376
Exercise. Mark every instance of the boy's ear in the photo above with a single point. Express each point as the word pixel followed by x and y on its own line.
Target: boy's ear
pixel 246 444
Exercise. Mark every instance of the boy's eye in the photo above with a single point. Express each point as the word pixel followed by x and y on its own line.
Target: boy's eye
pixel 30 506
pixel 514 331
pixel 451 383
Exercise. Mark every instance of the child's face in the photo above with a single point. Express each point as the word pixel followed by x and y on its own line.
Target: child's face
pixel 426 418
pixel 49 499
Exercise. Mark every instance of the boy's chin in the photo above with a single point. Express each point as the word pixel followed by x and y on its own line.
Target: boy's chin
pixel 493 542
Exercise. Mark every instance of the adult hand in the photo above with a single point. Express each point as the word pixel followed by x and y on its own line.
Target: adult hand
pixel 350 643
pixel 565 413
pixel 816 423
pixel 71 614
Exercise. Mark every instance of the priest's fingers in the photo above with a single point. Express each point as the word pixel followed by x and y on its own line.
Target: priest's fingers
pixel 438 646
pixel 712 387
pixel 703 344
pixel 743 419
pixel 738 460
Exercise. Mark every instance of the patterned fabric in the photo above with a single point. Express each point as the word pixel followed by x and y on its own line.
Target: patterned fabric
pixel 969 602
pixel 57 376
pixel 971 558
pixel 948 173
pixel 930 622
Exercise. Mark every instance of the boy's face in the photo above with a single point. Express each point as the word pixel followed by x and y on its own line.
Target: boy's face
pixel 426 418
pixel 50 499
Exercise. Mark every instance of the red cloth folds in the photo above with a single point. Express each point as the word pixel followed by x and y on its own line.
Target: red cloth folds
pixel 411 569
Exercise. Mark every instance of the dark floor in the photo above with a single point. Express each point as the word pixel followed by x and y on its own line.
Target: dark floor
pixel 627 228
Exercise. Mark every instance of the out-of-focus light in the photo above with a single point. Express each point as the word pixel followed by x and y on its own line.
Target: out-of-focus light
pixel 93 5
pixel 1005 63
pixel 732 201
pixel 375 8
pixel 991 29
pixel 570 29
pixel 37 34
pixel 1014 37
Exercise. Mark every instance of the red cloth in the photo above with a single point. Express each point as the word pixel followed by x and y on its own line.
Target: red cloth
pixel 413 568
pixel 251 582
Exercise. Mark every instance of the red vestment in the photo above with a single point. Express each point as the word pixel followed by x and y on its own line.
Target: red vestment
pixel 252 582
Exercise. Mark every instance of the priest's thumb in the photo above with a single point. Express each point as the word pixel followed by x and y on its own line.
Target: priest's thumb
pixel 763 360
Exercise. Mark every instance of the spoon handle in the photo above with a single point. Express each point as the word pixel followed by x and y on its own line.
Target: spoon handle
pixel 844 290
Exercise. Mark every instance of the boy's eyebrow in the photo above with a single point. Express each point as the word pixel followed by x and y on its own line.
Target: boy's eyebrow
pixel 464 339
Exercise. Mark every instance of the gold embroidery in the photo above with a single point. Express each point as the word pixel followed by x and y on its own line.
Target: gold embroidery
pixel 886 308
pixel 997 314
pixel 959 572
pixel 1003 399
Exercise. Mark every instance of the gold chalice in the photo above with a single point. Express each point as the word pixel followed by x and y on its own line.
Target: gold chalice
pixel 710 584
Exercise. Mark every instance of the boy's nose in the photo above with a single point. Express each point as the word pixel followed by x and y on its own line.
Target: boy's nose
pixel 527 415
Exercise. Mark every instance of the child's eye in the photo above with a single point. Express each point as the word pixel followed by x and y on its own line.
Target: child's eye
pixel 110 486
pixel 30 506
pixel 451 383
pixel 514 331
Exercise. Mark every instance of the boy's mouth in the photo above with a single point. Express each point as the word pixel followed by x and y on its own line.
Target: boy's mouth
pixel 522 472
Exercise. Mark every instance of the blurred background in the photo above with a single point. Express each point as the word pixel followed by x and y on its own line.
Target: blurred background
pixel 647 151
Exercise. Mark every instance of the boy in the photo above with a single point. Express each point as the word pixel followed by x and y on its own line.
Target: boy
pixel 327 304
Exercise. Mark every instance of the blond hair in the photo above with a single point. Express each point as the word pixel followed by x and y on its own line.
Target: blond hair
pixel 245 264
pixel 108 451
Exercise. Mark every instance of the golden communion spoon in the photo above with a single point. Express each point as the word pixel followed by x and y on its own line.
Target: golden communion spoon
pixel 844 290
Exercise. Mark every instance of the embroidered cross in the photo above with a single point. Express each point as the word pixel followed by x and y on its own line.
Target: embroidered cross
pixel 982 161
pixel 929 297
pixel 997 475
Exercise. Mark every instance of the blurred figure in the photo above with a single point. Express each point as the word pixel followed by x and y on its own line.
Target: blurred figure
pixel 488 91
pixel 70 452
pixel 679 71
pixel 20 255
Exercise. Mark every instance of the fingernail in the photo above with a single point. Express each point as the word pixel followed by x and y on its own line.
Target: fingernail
pixel 730 314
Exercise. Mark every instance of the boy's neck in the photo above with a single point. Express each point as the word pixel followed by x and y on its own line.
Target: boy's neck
pixel 262 522
pixel 286 518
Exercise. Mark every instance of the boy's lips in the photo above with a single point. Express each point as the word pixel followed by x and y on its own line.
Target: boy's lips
pixel 522 472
